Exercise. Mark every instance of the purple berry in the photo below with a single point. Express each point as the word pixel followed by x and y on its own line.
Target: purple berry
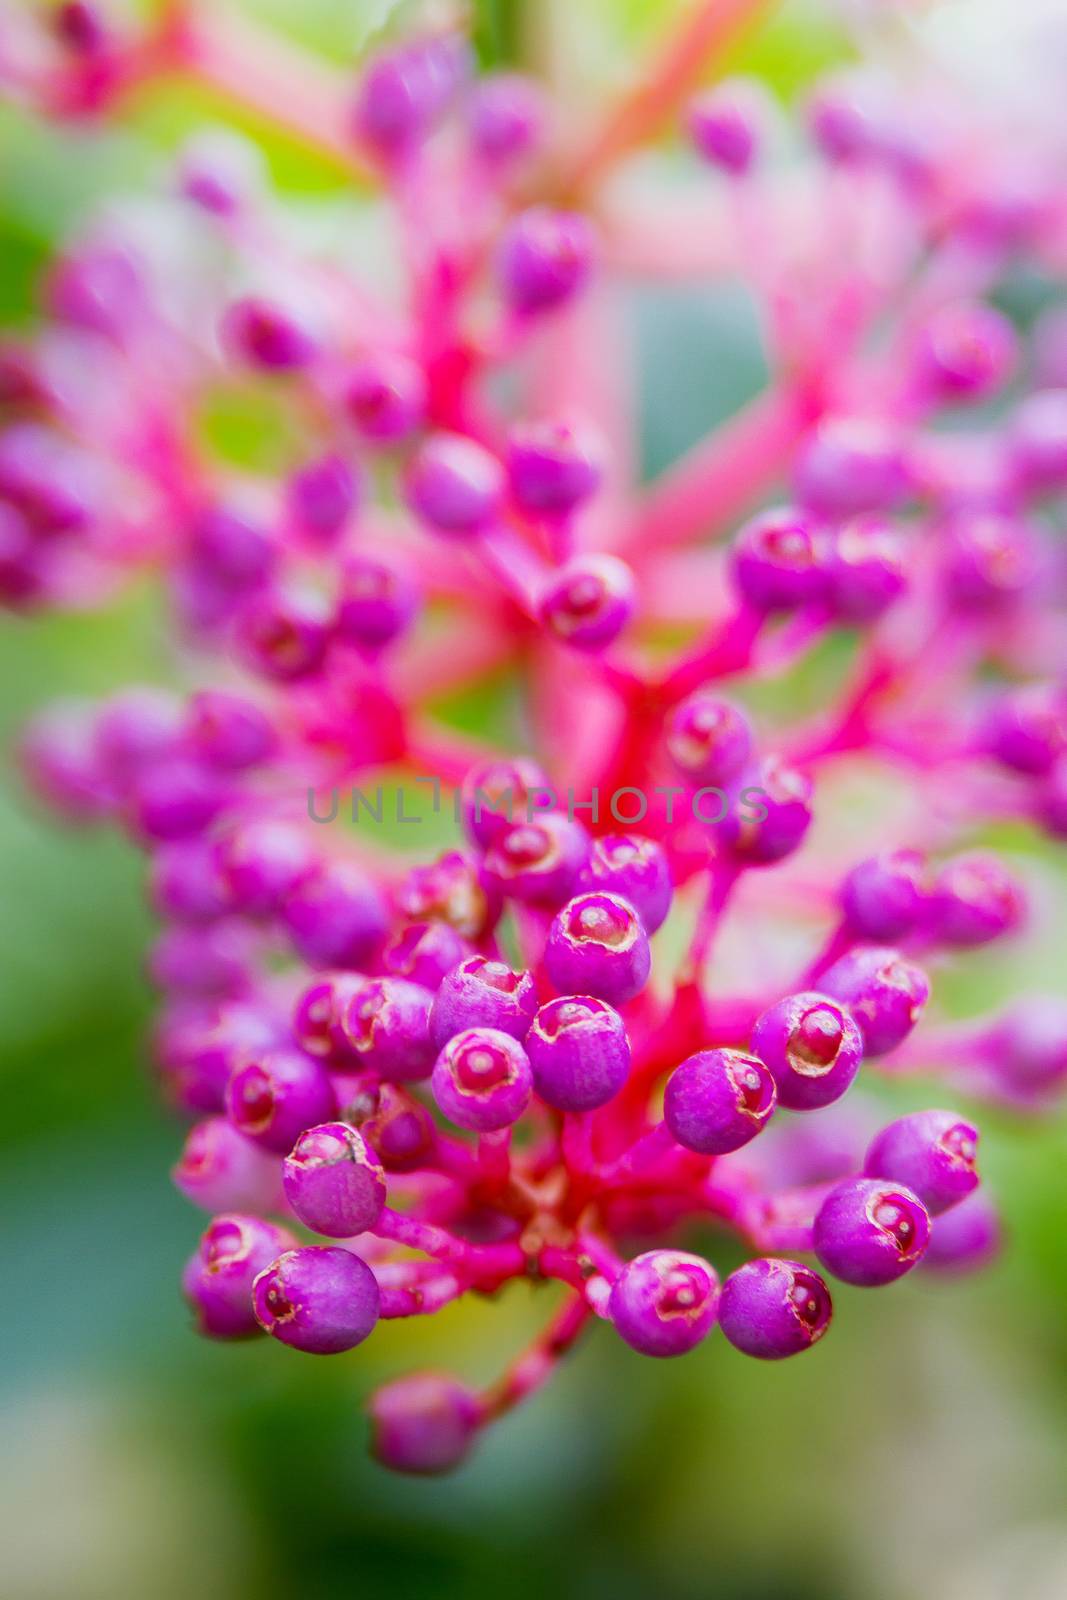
pixel 727 125
pixel 263 860
pixel 884 993
pixel 966 352
pixel 884 897
pixel 663 1303
pixel 506 117
pixel 718 1100
pixel 770 813
pixel 597 945
pixel 333 1182
pixel 708 739
pixel 1039 441
pixel 553 467
pixel 187 881
pixel 772 1309
pixel 482 993
pixel 497 794
pixel 1027 1047
pixel 218 1279
pixel 453 889
pixel 220 1170
pixel 316 1024
pixel 212 962
pixel 398 1128
pixel 199 1045
pixel 965 1238
pixel 848 466
pixel 636 869
pixel 538 862
pixel 1025 729
pixel 455 484
pixel 137 730
pixel 322 496
pixel 266 336
pixel 385 1025
pixel 866 569
pixel 482 1080
pixel 545 259
pixel 275 1096
pixel 405 91
pixel 932 1152
pixel 990 559
pixel 284 636
pixel 384 396
pixel 378 601
pixel 812 1047
pixel 589 601
pixel 335 917
pixel 174 799
pixel 579 1052
pixel 870 1232
pixel 779 561
pixel 228 731
pixel 320 1299
pixel 424 1423
pixel 424 952
pixel 231 549
pixel 974 900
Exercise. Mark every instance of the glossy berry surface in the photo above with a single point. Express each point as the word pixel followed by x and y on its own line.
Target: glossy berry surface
pixel 665 1302
pixel 579 1052
pixel 718 1100
pixel 318 1299
pixel 772 1308
pixel 870 1231
pixel 812 1048
pixel 933 1152
pixel 482 1080
pixel 597 945
pixel 333 1182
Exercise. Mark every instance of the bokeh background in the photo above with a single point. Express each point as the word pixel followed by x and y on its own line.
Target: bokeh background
pixel 919 1451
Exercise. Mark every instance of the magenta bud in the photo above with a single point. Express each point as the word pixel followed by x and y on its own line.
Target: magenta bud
pixel 405 91
pixel 1027 1047
pixel 266 336
pixel 231 549
pixel 483 993
pixel 212 962
pixel 220 1170
pixel 589 601
pixel 772 1309
pixel 135 731
pixel 263 860
pixel 1038 441
pixel 553 467
pixel 336 916
pixel 866 569
pixel 579 1052
pixel 482 1080
pixel 334 1183
pixel 1025 728
pixel 932 1152
pixel 779 561
pixel 384 396
pixel 770 813
pixel 174 799
pixel 974 900
pixel 812 1047
pixel 848 466
pixel 885 896
pixel 597 945
pixel 728 123
pixel 424 1423
pixel 708 739
pixel 884 992
pixel 453 889
pixel 229 732
pixel 965 1238
pixel 538 862
pixel 378 601
pixel 506 117
pixel 317 1017
pixel 498 793
pixel 718 1100
pixel 385 1025
pixel 396 1126
pixel 455 484
pixel 869 1232
pixel 218 1279
pixel 424 952
pixel 966 352
pixel 663 1303
pixel 275 1096
pixel 990 559
pixel 322 496
pixel 545 259
pixel 198 1046
pixel 634 868
pixel 187 882
pixel 285 636
pixel 319 1299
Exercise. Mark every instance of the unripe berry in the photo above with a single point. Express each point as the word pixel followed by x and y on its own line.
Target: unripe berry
pixel 597 945
pixel 275 1097
pixel 320 1299
pixel 455 484
pixel 884 993
pixel 545 259
pixel 869 1232
pixel 885 896
pixel 553 467
pixel 218 1279
pixel 718 1100
pixel 634 868
pixel 482 1080
pixel 772 1309
pixel 482 993
pixel 779 561
pixel 333 1182
pixel 335 917
pixel 385 1025
pixel 579 1052
pixel 663 1303
pixel 933 1152
pixel 424 1423
pixel 708 739
pixel 812 1047
pixel 588 602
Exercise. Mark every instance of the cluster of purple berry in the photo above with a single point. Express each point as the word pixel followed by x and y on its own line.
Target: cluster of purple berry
pixel 493 1065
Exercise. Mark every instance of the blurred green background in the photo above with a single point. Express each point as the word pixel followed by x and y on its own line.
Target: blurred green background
pixel 921 1450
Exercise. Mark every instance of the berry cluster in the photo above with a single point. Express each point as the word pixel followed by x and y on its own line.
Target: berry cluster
pixel 412 1080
